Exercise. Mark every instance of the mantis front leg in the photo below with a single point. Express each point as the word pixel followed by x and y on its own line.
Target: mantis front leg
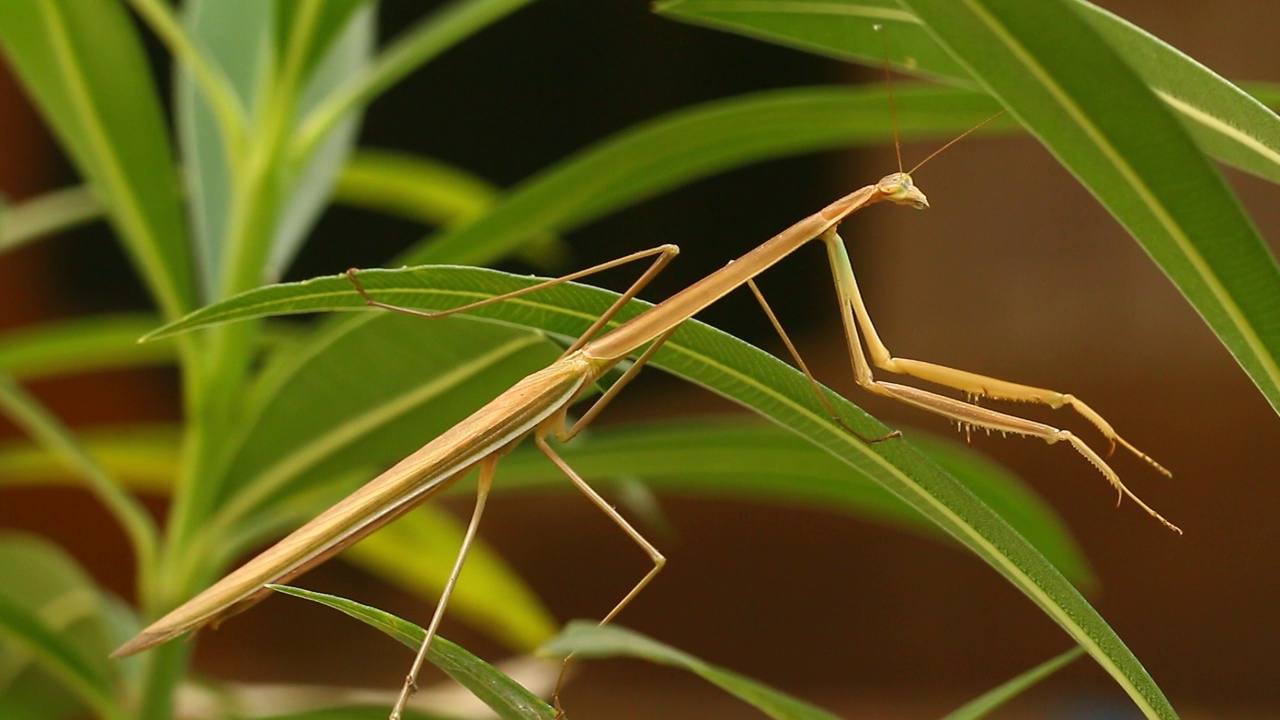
pixel 853 314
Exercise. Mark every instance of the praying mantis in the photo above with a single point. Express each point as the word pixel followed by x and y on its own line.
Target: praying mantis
pixel 538 405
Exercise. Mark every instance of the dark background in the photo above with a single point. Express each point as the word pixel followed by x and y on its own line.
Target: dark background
pixel 1015 272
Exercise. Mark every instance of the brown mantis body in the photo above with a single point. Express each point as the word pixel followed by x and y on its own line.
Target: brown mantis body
pixel 538 405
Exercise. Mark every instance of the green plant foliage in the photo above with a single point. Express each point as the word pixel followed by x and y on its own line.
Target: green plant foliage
pixel 55 631
pixel 282 420
pixel 503 695
pixel 83 63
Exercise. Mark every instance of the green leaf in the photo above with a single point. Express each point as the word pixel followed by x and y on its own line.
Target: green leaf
pixel 840 29
pixel 234 35
pixel 981 706
pixel 1226 121
pixel 729 458
pixel 417 553
pixel 144 457
pixel 503 695
pixel 417 188
pixel 47 214
pixel 587 640
pixel 322 23
pixel 248 59
pixel 82 62
pixel 431 192
pixel 680 147
pixel 52 630
pixel 85 344
pixel 431 36
pixel 752 378
pixel 45 428
pixel 346 57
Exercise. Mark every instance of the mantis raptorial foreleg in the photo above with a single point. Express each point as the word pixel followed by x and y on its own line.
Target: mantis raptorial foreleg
pixel 665 254
pixel 857 321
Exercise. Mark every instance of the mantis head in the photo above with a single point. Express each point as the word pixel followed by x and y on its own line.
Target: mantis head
pixel 898 188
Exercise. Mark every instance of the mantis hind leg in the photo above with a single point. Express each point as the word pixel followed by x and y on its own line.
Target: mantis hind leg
pixel 487 468
pixel 665 254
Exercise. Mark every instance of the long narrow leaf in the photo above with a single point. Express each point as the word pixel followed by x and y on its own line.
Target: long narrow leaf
pixel 502 694
pixel 47 214
pixel 694 142
pixel 83 63
pixel 144 457
pixel 588 640
pixel 432 36
pixel 82 345
pixel 45 428
pixel 43 596
pixel 1227 122
pixel 979 707
pixel 59 596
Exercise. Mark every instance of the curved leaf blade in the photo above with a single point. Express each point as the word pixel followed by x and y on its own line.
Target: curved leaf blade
pixel 588 640
pixel 839 29
pixel 82 345
pixel 235 36
pixel 429 191
pixel 82 61
pixel 1226 121
pixel 979 707
pixel 143 457
pixel 759 381
pixel 44 215
pixel 52 619
pixel 503 695
pixel 680 147
pixel 417 188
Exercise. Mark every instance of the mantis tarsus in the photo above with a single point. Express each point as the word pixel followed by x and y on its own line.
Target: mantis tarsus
pixel 539 403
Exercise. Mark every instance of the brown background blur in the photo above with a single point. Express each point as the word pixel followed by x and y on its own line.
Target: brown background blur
pixel 1015 272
